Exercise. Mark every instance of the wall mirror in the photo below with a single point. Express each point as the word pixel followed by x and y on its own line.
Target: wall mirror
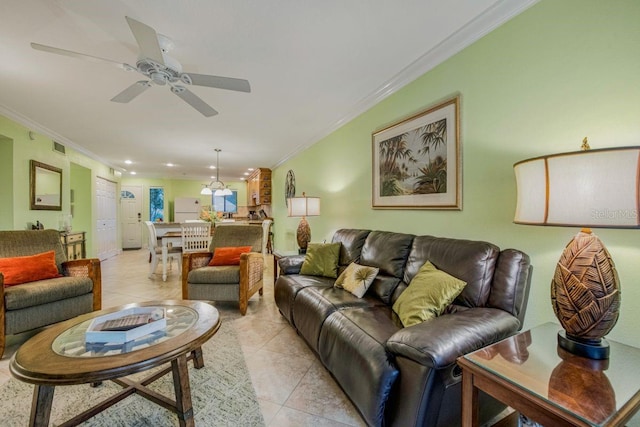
pixel 46 187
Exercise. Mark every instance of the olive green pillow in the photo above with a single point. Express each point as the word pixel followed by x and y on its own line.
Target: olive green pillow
pixel 321 260
pixel 356 279
pixel 428 294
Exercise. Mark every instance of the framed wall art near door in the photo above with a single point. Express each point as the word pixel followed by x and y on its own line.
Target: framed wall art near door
pixel 417 161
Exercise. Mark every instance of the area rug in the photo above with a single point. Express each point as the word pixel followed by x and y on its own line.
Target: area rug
pixel 221 392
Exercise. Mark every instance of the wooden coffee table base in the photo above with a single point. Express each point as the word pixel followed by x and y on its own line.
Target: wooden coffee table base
pixel 182 407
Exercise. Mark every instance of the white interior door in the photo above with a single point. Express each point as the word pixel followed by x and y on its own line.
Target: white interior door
pixel 106 225
pixel 131 216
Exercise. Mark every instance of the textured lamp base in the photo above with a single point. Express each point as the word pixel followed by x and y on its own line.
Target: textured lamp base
pixel 598 350
pixel 303 235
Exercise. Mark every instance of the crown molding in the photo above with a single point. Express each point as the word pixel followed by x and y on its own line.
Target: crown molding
pixel 499 13
pixel 32 125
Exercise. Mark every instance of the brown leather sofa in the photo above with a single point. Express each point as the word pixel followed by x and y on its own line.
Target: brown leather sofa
pixel 399 376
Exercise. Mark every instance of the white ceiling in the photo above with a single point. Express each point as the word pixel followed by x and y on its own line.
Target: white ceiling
pixel 312 66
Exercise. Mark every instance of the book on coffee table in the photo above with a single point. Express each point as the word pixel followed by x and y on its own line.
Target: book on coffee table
pixel 126 325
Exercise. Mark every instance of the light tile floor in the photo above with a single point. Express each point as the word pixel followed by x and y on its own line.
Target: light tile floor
pixel 293 388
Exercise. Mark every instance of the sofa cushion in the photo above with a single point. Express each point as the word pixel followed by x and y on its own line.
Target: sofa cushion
pixel 321 260
pixel 352 345
pixel 228 255
pixel 427 296
pixel 471 261
pixel 222 274
pixel 46 291
pixel 387 251
pixel 30 268
pixel 287 287
pixel 351 244
pixel 314 304
pixel 356 279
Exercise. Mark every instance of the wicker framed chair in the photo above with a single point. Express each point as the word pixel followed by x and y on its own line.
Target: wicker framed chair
pixel 35 304
pixel 200 281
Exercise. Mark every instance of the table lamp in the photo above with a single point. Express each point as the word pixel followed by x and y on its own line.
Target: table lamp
pixel 590 189
pixel 303 207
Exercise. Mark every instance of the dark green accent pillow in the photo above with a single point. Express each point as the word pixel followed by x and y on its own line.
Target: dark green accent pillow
pixel 428 294
pixel 321 260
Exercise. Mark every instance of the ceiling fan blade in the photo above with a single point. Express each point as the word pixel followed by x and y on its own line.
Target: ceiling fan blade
pixel 193 100
pixel 77 55
pixel 131 92
pixel 147 39
pixel 228 83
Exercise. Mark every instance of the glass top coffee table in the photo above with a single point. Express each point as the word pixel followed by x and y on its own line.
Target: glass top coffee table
pixel 60 355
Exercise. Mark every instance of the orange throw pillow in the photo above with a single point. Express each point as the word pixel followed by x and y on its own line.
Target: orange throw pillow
pixel 228 256
pixel 23 269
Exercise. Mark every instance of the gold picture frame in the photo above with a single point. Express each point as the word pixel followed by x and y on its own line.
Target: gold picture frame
pixel 417 161
pixel 45 187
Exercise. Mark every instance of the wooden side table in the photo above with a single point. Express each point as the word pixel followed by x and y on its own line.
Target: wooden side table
pixel 276 257
pixel 530 373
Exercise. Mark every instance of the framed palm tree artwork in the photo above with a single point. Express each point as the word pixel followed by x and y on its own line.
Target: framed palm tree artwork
pixel 416 161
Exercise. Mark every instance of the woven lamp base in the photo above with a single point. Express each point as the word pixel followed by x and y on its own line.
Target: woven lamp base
pixel 585 296
pixel 303 235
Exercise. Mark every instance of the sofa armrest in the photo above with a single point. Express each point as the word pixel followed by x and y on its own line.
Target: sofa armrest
pixel 88 267
pixel 191 261
pixel 290 264
pixel 439 342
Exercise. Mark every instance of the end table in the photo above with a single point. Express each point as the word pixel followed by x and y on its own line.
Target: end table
pixel 531 374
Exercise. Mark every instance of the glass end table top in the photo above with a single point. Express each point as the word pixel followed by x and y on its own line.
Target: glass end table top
pixel 72 343
pixel 592 390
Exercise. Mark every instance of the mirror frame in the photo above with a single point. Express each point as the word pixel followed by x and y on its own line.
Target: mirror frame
pixel 35 165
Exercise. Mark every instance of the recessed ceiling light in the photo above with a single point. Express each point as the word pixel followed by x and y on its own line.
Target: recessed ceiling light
pixel 251 169
pixel 170 165
pixel 246 173
pixel 128 162
pixel 133 172
pixel 212 167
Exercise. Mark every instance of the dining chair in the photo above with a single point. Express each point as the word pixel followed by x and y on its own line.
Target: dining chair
pixel 266 236
pixel 155 250
pixel 196 236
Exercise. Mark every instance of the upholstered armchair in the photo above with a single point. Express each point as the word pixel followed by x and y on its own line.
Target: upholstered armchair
pixel 38 289
pixel 238 279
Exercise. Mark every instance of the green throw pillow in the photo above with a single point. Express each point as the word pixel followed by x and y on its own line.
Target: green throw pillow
pixel 428 294
pixel 321 260
pixel 356 279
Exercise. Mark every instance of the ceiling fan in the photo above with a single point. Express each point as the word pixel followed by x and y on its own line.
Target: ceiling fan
pixel 154 63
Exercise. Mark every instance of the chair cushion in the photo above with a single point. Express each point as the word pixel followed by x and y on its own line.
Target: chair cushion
pixel 321 260
pixel 223 274
pixel 427 296
pixel 30 268
pixel 46 291
pixel 228 255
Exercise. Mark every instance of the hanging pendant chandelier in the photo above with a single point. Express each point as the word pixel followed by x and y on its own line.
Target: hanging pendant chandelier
pixel 217 185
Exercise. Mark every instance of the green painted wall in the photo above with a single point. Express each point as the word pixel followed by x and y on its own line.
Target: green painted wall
pixel 562 70
pixel 40 148
pixel 82 201
pixel 6 175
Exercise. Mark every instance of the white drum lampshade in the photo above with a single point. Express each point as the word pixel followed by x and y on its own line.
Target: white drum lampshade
pixel 589 188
